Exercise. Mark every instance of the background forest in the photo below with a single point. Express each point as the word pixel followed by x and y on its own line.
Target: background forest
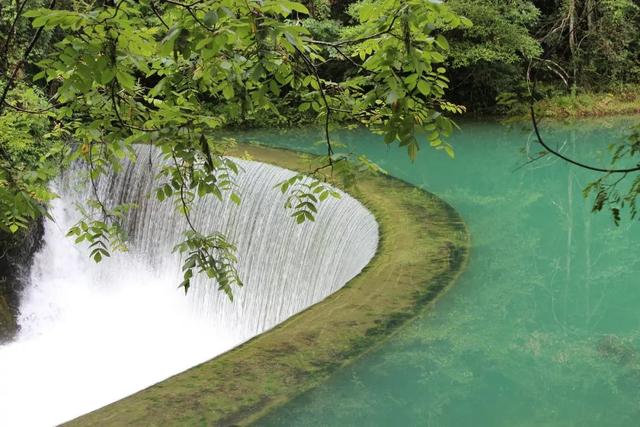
pixel 595 42
pixel 586 55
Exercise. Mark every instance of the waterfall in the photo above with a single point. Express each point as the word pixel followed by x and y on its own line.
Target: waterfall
pixel 93 333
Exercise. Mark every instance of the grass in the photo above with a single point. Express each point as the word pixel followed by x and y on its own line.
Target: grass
pixel 623 101
pixel 423 247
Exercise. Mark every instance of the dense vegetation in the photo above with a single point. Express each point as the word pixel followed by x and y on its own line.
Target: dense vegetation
pixel 172 74
pixel 592 44
pixel 84 80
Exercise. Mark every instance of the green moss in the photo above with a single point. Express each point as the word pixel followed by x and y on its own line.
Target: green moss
pixel 624 101
pixel 8 325
pixel 423 247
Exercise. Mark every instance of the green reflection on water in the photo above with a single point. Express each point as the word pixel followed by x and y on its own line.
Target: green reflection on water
pixel 543 329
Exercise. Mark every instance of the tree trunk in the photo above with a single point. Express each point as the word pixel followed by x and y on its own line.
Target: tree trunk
pixel 572 40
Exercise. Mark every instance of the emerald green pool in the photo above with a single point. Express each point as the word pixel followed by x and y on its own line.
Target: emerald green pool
pixel 543 329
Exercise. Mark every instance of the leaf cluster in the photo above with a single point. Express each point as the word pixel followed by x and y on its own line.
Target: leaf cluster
pixel 173 74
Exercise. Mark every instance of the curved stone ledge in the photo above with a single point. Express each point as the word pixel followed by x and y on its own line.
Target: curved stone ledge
pixel 423 248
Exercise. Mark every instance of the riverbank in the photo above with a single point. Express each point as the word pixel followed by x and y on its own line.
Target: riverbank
pixel 423 248
pixel 624 101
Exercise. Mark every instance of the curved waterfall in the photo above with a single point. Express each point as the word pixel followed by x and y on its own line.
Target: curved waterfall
pixel 94 333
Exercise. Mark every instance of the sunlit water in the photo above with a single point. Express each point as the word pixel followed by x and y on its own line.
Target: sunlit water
pixel 543 329
pixel 91 334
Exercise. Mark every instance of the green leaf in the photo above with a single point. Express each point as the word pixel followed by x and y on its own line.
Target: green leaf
pixel 412 148
pixel 169 40
pixel 298 7
pixel 291 39
pixel 390 136
pixel 211 18
pixel 442 42
pixel 449 150
pixel 40 21
pixel 106 76
pixel 125 79
pixel 227 91
pixel 424 88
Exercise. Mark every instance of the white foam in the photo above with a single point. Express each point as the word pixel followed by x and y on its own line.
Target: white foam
pixel 92 334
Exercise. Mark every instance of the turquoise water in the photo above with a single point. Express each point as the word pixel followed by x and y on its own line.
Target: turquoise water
pixel 543 328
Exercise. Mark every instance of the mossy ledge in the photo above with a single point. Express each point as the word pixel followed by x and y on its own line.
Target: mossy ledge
pixel 423 248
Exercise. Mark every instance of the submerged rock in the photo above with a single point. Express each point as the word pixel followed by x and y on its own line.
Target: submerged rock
pixel 616 348
pixel 16 254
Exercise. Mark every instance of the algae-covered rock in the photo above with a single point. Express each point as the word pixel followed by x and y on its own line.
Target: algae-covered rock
pixel 16 254
pixel 8 324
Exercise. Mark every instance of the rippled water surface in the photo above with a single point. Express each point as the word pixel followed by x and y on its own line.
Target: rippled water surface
pixel 543 329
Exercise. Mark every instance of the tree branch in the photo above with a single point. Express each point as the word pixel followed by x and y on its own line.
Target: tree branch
pixel 361 39
pixel 534 122
pixel 9 85
pixel 4 54
pixel 569 160
pixel 313 69
pixel 158 15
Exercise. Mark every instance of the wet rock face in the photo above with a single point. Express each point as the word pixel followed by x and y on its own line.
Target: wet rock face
pixel 16 254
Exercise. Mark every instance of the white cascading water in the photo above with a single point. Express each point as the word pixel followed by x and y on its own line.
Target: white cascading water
pixel 94 333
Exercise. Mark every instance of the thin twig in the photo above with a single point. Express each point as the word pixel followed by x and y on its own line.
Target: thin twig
pixel 115 13
pixel 9 85
pixel 10 33
pixel 158 15
pixel 185 206
pixel 177 3
pixel 119 117
pixel 531 83
pixel 574 162
pixel 361 39
pixel 312 68
pixel 105 214
pixel 40 111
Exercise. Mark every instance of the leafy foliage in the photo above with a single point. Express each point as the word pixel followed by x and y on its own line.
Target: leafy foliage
pixel 613 191
pixel 31 153
pixel 593 39
pixel 101 235
pixel 491 56
pixel 499 35
pixel 211 255
pixel 171 74
pixel 91 79
pixel 304 195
